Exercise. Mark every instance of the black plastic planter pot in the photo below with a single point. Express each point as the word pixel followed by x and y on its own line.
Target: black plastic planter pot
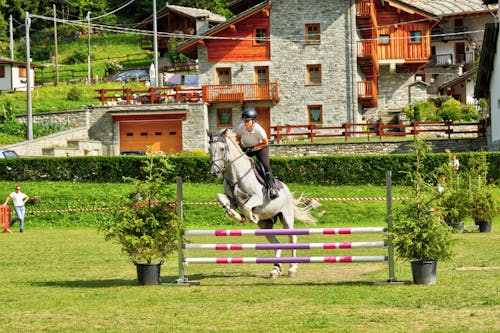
pixel 484 226
pixel 424 272
pixel 148 274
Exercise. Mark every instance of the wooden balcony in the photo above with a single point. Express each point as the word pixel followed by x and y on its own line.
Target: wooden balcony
pixel 241 93
pixel 367 93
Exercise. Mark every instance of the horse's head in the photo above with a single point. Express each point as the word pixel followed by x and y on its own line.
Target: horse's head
pixel 218 152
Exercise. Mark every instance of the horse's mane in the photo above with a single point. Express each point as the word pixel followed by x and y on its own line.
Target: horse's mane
pixel 232 137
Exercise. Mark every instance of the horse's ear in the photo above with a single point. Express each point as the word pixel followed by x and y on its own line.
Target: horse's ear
pixel 223 133
pixel 209 134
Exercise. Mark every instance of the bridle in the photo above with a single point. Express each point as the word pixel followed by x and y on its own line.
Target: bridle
pixel 226 162
pixel 222 139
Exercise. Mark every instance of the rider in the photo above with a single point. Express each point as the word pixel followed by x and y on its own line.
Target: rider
pixel 253 141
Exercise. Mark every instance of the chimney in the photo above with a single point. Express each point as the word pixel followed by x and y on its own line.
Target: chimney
pixel 201 24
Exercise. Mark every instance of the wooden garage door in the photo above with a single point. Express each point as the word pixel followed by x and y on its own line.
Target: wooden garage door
pixel 163 136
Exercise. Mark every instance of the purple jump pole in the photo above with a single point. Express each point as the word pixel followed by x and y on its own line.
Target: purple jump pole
pixel 286 232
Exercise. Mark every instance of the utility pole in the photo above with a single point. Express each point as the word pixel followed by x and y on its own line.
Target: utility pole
pixel 155 45
pixel 55 45
pixel 29 120
pixel 11 38
pixel 88 56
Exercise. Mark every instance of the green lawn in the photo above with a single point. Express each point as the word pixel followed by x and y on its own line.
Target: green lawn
pixel 61 276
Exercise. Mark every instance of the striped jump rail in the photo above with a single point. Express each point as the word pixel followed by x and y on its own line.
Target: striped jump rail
pixel 285 260
pixel 283 246
pixel 284 232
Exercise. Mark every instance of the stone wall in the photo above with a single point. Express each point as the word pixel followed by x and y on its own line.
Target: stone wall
pixel 348 148
pixel 35 147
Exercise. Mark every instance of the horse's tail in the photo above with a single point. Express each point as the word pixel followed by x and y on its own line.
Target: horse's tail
pixel 302 208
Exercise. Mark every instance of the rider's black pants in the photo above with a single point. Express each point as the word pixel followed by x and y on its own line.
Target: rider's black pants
pixel 263 156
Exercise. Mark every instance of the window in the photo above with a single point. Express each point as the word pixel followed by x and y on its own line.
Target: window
pixel 260 36
pixel 415 36
pixel 315 114
pixel 313 74
pixel 224 76
pixel 2 71
pixel 261 75
pixel 384 39
pixel 312 34
pixel 224 117
pixel 22 72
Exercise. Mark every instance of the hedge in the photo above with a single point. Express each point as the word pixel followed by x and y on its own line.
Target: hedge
pixel 328 170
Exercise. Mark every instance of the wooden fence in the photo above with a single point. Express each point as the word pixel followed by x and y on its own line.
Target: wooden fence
pixel 447 129
pixel 150 96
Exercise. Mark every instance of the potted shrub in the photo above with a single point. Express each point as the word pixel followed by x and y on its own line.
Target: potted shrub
pixel 146 226
pixel 484 206
pixel 454 196
pixel 419 235
pixel 454 206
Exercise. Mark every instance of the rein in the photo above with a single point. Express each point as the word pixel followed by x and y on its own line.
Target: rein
pixel 227 161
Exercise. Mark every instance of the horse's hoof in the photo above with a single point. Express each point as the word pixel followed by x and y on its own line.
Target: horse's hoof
pixel 255 219
pixel 292 274
pixel 273 275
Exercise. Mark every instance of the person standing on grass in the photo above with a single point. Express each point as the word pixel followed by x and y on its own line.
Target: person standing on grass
pixel 19 199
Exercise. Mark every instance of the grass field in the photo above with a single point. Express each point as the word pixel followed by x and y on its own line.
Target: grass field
pixel 61 276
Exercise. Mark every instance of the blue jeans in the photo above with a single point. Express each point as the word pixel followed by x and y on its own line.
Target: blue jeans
pixel 20 210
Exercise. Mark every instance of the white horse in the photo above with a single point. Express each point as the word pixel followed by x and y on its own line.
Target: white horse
pixel 244 192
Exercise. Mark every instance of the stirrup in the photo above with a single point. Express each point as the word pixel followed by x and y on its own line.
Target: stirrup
pixel 273 193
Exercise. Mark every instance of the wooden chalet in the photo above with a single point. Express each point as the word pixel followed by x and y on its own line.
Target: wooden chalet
pixel 177 20
pixel 394 34
pixel 234 41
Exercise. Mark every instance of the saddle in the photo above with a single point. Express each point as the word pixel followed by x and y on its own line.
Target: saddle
pixel 260 173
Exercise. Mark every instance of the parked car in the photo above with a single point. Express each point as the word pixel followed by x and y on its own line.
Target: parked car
pixel 133 153
pixel 8 154
pixel 131 75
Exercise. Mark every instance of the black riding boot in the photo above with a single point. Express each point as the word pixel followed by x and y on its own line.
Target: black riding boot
pixel 271 186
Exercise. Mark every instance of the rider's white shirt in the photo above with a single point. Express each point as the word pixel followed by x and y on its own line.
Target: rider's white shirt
pixel 253 138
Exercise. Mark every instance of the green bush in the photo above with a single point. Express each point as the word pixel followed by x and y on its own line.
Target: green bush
pixel 469 113
pixel 327 170
pixel 77 57
pixel 451 110
pixel 75 94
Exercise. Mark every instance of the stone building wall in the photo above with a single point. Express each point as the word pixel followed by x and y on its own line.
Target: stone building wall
pixel 290 55
pixel 393 90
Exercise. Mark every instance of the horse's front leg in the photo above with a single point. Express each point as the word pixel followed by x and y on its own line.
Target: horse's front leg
pixel 246 208
pixel 230 212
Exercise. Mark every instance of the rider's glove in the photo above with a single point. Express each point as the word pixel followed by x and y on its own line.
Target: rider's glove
pixel 248 149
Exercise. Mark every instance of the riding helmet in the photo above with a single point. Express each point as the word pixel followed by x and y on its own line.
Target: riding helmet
pixel 249 114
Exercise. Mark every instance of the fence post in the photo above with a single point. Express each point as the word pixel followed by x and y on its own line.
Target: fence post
pixel 388 180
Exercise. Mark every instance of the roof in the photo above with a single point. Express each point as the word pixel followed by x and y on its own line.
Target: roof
pixel 443 8
pixel 189 46
pixel 458 79
pixel 239 6
pixel 487 58
pixel 4 60
pixel 185 11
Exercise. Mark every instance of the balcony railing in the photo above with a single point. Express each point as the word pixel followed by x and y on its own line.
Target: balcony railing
pixel 451 59
pixel 240 93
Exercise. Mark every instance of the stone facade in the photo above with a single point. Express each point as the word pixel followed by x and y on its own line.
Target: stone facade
pixel 393 88
pixel 103 128
pixel 290 55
